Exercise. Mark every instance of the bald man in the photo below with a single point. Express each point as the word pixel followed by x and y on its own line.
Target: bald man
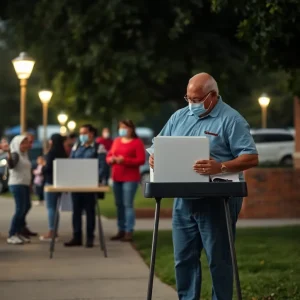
pixel 199 225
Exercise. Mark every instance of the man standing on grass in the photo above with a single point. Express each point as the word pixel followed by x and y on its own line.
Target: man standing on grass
pixel 201 224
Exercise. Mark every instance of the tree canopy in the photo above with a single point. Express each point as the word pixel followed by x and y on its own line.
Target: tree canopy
pixel 106 57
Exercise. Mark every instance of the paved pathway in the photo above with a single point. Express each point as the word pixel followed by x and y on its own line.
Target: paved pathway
pixel 74 274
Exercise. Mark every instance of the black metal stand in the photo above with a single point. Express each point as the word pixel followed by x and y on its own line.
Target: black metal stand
pixel 231 244
pixel 52 243
pixel 100 228
pixel 154 246
pixel 232 249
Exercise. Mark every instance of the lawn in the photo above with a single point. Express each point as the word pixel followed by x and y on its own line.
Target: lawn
pixel 268 259
pixel 108 208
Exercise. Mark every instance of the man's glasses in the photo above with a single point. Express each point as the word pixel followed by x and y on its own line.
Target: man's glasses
pixel 196 101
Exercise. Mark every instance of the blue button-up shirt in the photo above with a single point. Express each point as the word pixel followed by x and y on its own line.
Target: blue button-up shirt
pixel 82 151
pixel 228 132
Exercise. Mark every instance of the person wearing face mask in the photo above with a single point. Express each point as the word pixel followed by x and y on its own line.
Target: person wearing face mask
pixel 19 184
pixel 105 143
pixel 126 156
pixel 201 224
pixel 86 148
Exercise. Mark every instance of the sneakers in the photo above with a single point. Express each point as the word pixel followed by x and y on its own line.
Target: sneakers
pixel 14 240
pixel 25 239
pixel 48 237
pixel 118 236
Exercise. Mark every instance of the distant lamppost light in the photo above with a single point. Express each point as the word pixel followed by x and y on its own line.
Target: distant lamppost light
pixel 23 65
pixel 45 96
pixel 63 130
pixel 71 125
pixel 62 118
pixel 264 102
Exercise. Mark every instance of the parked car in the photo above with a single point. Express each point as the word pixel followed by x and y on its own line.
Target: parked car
pixel 274 146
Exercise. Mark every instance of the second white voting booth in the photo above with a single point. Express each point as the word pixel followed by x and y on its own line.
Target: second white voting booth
pixel 77 176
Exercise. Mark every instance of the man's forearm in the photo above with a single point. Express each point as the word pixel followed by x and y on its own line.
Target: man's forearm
pixel 241 163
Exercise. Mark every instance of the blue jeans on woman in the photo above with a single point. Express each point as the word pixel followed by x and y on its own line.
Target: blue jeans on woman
pixel 51 202
pixel 124 196
pixel 21 194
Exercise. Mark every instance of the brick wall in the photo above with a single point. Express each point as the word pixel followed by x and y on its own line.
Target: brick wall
pixel 272 193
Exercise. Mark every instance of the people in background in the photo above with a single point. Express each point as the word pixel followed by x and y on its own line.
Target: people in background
pixel 38 180
pixel 25 230
pixel 86 148
pixel 19 185
pixel 56 150
pixel 126 156
pixel 105 142
pixel 70 140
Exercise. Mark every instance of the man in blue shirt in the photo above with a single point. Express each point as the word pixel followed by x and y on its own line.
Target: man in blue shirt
pixel 86 148
pixel 201 224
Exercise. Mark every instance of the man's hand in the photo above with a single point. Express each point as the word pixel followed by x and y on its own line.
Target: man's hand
pixel 151 161
pixel 207 167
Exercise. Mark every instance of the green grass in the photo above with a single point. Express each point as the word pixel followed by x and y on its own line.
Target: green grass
pixel 268 259
pixel 108 208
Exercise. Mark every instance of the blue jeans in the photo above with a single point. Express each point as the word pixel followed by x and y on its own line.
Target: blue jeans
pixel 21 194
pixel 51 202
pixel 200 224
pixel 124 196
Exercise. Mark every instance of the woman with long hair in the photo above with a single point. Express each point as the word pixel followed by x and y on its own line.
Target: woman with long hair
pixel 57 150
pixel 126 156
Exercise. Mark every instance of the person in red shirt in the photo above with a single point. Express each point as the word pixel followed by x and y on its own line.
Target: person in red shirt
pixel 126 156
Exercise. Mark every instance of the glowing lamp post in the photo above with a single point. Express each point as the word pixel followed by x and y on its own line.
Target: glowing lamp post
pixel 264 102
pixel 71 126
pixel 23 65
pixel 45 97
pixel 62 119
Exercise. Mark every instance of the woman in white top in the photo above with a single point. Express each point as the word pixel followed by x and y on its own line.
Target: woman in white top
pixel 19 184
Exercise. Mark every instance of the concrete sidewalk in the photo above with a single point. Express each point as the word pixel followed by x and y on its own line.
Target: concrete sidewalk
pixel 73 274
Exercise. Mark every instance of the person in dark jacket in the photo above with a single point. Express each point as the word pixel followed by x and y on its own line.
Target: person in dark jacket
pixel 57 150
pixel 86 148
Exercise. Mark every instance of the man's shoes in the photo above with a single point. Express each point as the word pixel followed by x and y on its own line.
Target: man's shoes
pixel 27 233
pixel 73 243
pixel 118 236
pixel 128 237
pixel 89 244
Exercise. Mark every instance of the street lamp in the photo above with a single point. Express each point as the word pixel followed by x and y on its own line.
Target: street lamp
pixel 45 97
pixel 264 102
pixel 62 119
pixel 71 125
pixel 23 65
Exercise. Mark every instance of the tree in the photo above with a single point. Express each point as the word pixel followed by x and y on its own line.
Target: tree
pixel 101 56
pixel 271 29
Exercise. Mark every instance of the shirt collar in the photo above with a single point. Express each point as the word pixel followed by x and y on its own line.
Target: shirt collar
pixel 215 111
pixel 90 145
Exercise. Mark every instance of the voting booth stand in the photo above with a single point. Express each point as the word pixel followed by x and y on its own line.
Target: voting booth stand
pixel 174 162
pixel 76 176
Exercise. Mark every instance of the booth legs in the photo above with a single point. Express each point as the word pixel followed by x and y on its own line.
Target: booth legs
pixel 154 245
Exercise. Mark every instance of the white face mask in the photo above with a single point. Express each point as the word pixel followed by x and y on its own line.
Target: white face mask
pixel 106 135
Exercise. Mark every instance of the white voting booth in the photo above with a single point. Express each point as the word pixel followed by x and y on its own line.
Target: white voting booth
pixel 74 173
pixel 175 156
